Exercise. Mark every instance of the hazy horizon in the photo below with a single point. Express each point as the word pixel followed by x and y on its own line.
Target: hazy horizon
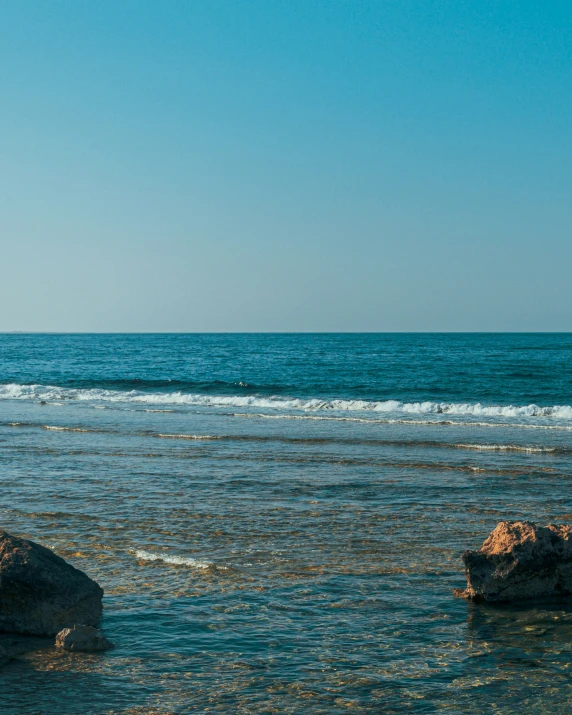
pixel 285 332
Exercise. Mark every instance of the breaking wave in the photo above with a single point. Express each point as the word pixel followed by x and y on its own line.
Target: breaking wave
pixel 188 436
pixel 55 428
pixel 169 559
pixel 505 448
pixel 46 393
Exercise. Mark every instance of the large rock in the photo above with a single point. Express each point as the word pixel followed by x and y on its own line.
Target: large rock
pixel 82 638
pixel 40 593
pixel 520 561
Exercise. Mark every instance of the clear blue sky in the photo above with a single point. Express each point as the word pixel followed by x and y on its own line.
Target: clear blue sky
pixel 285 165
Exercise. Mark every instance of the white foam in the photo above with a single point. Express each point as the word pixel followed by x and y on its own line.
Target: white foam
pixel 504 448
pixel 65 429
pixel 169 559
pixel 188 436
pixel 46 392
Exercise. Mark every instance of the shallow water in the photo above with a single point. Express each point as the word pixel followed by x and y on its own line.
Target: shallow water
pixel 278 520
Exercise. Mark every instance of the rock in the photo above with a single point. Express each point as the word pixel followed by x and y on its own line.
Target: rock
pixel 520 561
pixel 40 593
pixel 82 638
pixel 4 657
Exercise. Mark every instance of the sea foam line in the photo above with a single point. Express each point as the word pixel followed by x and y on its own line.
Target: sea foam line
pixel 54 428
pixel 169 559
pixel 387 421
pixel 47 392
pixel 504 448
pixel 188 436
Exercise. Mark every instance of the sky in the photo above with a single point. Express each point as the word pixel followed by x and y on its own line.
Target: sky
pixel 285 165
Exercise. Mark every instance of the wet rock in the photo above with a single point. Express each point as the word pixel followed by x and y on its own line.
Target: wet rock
pixel 82 638
pixel 40 593
pixel 520 561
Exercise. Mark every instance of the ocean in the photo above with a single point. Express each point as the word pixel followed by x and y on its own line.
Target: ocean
pixel 278 520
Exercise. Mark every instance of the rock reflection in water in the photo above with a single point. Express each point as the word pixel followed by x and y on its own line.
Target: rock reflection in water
pixel 518 659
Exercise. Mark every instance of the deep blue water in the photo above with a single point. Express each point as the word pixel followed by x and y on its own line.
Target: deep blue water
pixel 277 520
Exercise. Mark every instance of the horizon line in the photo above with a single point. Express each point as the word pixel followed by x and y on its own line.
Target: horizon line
pixel 286 332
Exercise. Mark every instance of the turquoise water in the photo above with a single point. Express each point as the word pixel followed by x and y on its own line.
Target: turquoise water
pixel 277 520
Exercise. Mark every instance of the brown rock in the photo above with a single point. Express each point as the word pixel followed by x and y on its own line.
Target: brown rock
pixel 82 638
pixel 40 593
pixel 520 561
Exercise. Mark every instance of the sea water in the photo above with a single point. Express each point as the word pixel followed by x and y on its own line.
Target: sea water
pixel 278 520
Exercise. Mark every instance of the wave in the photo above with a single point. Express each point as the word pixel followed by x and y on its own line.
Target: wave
pixel 55 428
pixel 169 559
pixel 316 440
pixel 188 436
pixel 163 385
pixel 381 421
pixel 46 393
pixel 506 448
pixel 66 429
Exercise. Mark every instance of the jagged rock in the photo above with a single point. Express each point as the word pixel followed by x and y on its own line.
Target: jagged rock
pixel 40 593
pixel 520 561
pixel 82 638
